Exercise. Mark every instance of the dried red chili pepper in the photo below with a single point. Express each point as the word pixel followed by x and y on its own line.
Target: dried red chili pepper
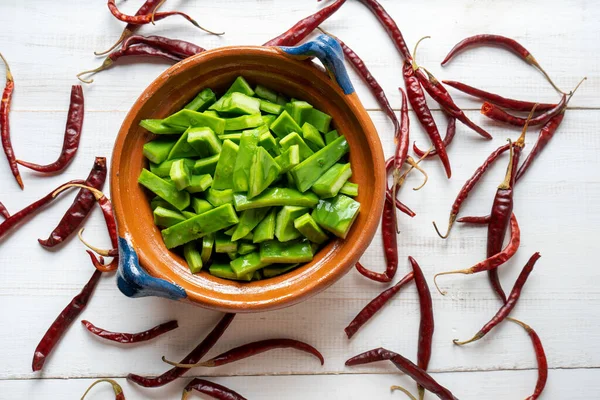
pixel 510 304
pixel 71 139
pixel 403 137
pixel 139 50
pixel 305 26
pixel 540 356
pixel 154 16
pixel 416 96
pixel 179 48
pixel 149 6
pixel 390 27
pixel 511 104
pixel 212 389
pixel 3 211
pixel 193 357
pixel 109 219
pixel 375 305
pixel 426 326
pixel 119 395
pixel 404 365
pixel 494 261
pixel 468 187
pixel 63 321
pixel 19 216
pixel 392 194
pixel 249 350
pixel 450 133
pixel 485 220
pixel 81 206
pixel 120 337
pixel 501 41
pixel 498 114
pixel 4 123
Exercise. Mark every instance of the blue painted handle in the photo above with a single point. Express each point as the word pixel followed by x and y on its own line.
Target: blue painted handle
pixel 134 281
pixel 329 51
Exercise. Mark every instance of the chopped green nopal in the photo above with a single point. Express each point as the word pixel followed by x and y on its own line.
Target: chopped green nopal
pixel 330 183
pixel 249 219
pixel 275 197
pixel 312 137
pixel 192 257
pixel 207 247
pixel 180 175
pixel 204 141
pixel 310 170
pixel 284 224
pixel 223 178
pixel 201 206
pixel 165 218
pixel 265 93
pixel 167 191
pixel 263 172
pixel 299 110
pixel 247 264
pixel 336 215
pixel 240 104
pixel 202 101
pixel 331 136
pixel 188 118
pixel 182 148
pixel 243 122
pixel 349 189
pixel 288 159
pixel 284 125
pixel 157 127
pixel 219 197
pixel 199 183
pixel 226 272
pixel 294 139
pixel 240 85
pixel 308 227
pixel 265 230
pixel 224 244
pixel 276 252
pixel 164 168
pixel 158 150
pixel 243 162
pixel 319 120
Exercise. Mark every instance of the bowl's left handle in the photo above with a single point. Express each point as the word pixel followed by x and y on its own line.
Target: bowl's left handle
pixel 134 281
pixel 331 54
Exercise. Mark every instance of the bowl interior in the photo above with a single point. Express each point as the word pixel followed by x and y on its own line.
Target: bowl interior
pixel 217 69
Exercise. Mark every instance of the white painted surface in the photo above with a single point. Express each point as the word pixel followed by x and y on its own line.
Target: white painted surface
pixel 557 206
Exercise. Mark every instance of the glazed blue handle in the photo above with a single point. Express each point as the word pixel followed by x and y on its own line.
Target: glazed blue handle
pixel 134 281
pixel 331 54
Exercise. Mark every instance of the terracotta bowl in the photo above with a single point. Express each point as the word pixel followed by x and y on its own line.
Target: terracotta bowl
pixel 161 272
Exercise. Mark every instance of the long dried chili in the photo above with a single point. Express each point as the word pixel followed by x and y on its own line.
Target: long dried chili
pixel 500 101
pixel 127 338
pixel 494 261
pixel 71 138
pixel 450 133
pixel 305 26
pixel 5 123
pixel 416 97
pixel 81 206
pixel 63 321
pixel 139 50
pixel 501 41
pixel 375 305
pixel 426 325
pixel 510 304
pixel 212 389
pixel 19 216
pixel 119 395
pixel 193 357
pixel 540 356
pixel 252 349
pixel 498 114
pixel 144 19
pixel 404 365
pixel 177 47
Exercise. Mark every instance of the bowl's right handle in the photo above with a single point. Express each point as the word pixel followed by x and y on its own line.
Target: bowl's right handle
pixel 331 54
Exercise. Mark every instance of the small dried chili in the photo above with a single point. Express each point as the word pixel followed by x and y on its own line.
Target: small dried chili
pixel 4 123
pixel 375 305
pixel 19 216
pixel 404 365
pixel 494 261
pixel 450 133
pixel 63 321
pixel 179 48
pixel 305 26
pixel 144 19
pixel 498 114
pixel 468 187
pixel 81 206
pixel 212 389
pixel 416 96
pixel 501 41
pixel 426 326
pixel 139 50
pixel 485 220
pixel 252 349
pixel 71 138
pixel 119 395
pixel 3 211
pixel 148 7
pixel 193 357
pixel 510 104
pixel 131 337
pixel 540 356
pixel 390 27
pixel 510 304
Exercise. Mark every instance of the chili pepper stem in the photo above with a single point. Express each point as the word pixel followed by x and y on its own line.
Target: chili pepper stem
pixel 508 177
pixel 414 58
pixel 531 60
pixel 403 390
pixel 187 366
pixel 116 387
pixel 105 64
pixel 155 10
pixel 574 90
pixel 468 271
pixel 9 75
pixel 124 35
pixel 473 339
pixel 97 194
pixel 97 250
pixel 415 165
pixel 450 224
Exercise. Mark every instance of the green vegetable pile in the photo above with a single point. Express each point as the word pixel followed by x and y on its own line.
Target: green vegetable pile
pixel 250 184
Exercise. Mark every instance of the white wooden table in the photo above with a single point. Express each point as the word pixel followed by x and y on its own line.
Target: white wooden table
pixel 47 43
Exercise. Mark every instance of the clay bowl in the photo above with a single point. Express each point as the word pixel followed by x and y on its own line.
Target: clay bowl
pixel 217 69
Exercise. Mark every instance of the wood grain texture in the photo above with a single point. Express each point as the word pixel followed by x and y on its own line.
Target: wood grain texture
pixel 557 207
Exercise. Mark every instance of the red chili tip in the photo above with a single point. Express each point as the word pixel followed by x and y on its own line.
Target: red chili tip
pixel 38 361
pixel 486 108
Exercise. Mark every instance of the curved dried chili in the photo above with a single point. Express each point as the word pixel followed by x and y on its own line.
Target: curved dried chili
pixel 128 338
pixel 5 123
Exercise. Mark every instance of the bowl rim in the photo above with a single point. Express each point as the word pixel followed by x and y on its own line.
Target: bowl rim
pixel 312 287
